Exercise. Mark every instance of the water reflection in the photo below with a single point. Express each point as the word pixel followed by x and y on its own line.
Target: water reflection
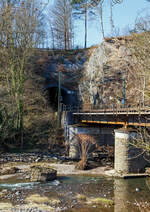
pixel 120 194
pixel 128 193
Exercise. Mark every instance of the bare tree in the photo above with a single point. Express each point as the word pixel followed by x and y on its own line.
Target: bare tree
pixel 20 30
pixel 62 25
pixel 52 35
pixel 139 48
pixel 100 11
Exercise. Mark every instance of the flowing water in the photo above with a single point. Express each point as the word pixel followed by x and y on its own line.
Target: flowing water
pixel 125 193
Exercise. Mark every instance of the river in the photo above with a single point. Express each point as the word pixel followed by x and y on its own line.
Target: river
pixel 77 193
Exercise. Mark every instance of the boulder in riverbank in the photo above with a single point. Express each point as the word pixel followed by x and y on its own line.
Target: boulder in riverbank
pixel 42 174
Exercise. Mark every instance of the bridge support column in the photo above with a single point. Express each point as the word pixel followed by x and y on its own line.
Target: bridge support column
pixel 121 151
pixel 73 143
pixel 128 158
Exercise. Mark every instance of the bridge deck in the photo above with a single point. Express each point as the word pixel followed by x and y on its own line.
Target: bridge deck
pixel 110 113
pixel 123 116
pixel 139 110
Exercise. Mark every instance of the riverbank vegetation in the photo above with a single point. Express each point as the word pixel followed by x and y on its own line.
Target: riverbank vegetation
pixel 24 117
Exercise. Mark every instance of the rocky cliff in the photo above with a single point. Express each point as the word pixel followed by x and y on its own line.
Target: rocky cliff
pixel 112 75
pixel 107 75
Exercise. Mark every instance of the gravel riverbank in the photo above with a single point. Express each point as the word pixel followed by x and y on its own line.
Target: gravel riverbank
pixel 18 199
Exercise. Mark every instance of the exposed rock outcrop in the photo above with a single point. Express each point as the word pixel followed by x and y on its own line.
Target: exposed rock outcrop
pixel 111 75
pixel 42 174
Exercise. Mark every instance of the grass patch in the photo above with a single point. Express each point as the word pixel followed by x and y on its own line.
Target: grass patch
pixel 5 206
pixel 36 198
pixel 100 200
pixel 81 197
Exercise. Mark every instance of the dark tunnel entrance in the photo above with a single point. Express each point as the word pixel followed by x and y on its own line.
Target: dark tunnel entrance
pixel 53 97
pixel 67 97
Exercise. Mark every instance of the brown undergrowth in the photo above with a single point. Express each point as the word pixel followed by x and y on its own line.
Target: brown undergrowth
pixel 87 145
pixel 39 119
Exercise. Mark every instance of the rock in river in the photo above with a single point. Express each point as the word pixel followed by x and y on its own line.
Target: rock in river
pixel 42 174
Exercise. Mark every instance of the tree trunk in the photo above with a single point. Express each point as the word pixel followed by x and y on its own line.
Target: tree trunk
pixel 101 21
pixel 85 13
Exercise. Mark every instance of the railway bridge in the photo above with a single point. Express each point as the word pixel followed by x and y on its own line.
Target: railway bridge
pixel 116 127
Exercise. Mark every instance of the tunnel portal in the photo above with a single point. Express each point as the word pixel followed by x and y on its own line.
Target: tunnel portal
pixel 67 97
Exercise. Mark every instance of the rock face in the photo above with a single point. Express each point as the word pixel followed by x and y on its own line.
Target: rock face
pixel 42 174
pixel 104 75
pixel 110 75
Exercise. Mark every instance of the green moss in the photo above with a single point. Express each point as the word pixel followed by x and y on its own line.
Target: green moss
pixel 100 200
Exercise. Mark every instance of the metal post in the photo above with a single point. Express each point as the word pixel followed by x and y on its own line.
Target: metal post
pixel 124 91
pixel 59 99
pixel 144 85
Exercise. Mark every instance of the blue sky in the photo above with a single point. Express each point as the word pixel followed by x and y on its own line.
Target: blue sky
pixel 124 14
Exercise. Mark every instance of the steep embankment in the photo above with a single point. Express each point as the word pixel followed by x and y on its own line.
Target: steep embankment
pixel 40 120
pixel 113 72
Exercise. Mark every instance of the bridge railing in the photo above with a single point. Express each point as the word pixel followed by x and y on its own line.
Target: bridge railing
pixel 115 109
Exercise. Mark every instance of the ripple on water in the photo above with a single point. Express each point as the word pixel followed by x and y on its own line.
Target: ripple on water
pixel 18 185
pixel 28 185
pixel 123 192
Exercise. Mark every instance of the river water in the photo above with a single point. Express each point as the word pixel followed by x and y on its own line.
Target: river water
pixel 127 194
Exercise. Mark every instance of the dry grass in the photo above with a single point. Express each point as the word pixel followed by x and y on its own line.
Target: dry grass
pixel 91 49
pixel 81 197
pixel 100 201
pixel 5 206
pixel 36 198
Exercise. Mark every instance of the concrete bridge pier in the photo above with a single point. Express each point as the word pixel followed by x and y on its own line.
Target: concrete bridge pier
pixel 128 158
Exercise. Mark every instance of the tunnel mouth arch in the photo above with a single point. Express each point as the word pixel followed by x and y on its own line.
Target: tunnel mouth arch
pixel 52 96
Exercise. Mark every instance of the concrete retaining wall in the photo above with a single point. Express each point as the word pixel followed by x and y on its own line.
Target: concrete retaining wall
pixel 102 136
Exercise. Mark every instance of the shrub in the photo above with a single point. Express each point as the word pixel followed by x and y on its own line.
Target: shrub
pixel 87 145
pixel 7 125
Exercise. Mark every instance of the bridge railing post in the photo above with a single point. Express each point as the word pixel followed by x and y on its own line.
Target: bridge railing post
pixel 117 110
pixel 114 109
pixel 127 109
pixel 139 107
